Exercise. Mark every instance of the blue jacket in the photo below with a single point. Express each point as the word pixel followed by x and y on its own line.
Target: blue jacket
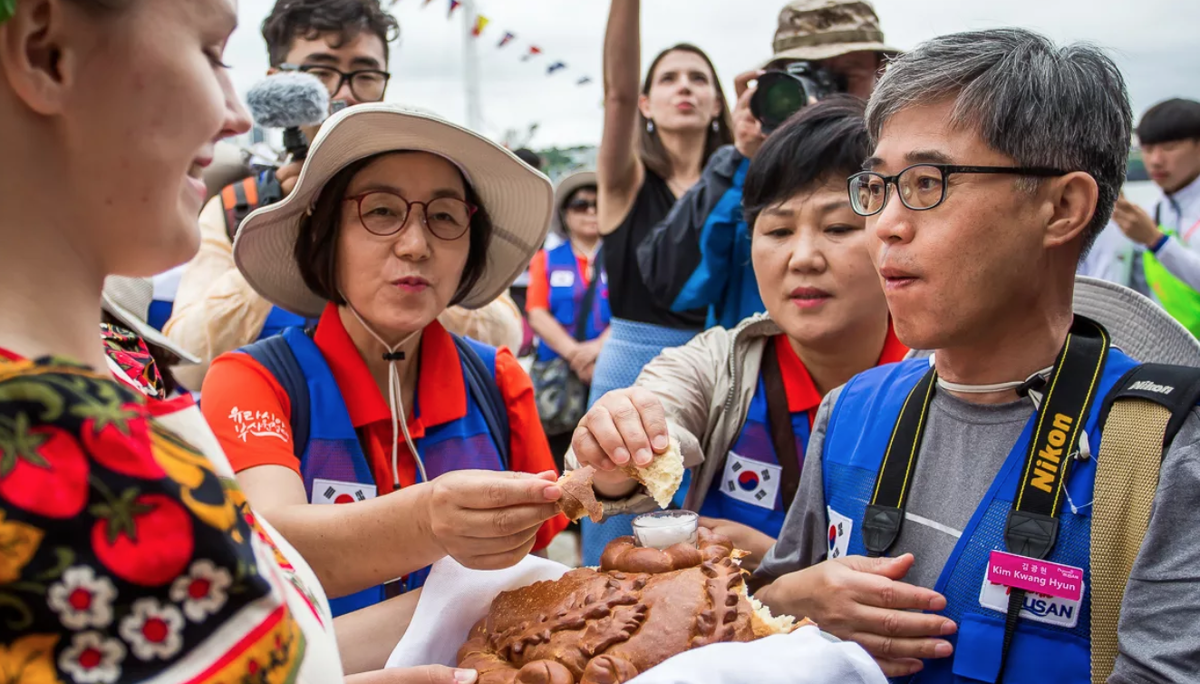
pixel 699 255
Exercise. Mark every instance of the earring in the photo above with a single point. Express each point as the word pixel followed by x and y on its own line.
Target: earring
pixel 650 126
pixel 716 126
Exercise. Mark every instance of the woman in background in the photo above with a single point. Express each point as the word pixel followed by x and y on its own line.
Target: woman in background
pixel 655 144
pixel 562 281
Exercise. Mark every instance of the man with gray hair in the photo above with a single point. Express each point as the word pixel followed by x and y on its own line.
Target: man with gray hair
pixel 944 515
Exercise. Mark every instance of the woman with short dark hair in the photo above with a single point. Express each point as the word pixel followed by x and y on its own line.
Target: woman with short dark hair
pixel 741 402
pixel 397 215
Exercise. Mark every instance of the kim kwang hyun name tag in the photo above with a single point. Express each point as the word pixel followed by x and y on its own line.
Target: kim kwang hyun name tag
pixel 1054 592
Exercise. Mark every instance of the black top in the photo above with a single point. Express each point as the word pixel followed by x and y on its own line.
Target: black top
pixel 628 295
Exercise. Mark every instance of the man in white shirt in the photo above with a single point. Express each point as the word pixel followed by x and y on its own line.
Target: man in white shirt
pixel 1164 257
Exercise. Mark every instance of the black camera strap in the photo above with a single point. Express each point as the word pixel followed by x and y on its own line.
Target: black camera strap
pixel 1032 527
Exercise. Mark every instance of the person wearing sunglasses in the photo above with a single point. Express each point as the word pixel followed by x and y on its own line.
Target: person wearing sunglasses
pixel 378 407
pixel 345 44
pixel 997 158
pixel 567 305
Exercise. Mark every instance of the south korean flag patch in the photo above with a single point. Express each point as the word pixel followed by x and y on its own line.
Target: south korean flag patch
pixel 334 492
pixel 750 481
pixel 840 528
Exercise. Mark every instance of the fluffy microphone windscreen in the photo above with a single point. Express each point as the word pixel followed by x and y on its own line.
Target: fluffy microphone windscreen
pixel 287 100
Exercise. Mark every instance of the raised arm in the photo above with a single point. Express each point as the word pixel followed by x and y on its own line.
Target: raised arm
pixel 619 172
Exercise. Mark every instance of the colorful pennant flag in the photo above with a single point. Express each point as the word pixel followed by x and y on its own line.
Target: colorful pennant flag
pixel 478 26
pixel 481 23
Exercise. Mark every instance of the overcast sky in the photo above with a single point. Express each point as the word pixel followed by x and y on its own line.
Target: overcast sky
pixel 1153 41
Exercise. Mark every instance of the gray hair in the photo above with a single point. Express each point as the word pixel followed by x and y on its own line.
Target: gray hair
pixel 1042 105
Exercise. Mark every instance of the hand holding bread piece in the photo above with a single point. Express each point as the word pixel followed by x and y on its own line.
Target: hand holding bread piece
pixel 624 436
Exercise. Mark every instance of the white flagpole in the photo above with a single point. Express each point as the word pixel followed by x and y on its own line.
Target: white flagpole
pixel 471 68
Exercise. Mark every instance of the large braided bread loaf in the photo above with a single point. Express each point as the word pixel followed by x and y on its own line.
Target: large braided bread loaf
pixel 642 607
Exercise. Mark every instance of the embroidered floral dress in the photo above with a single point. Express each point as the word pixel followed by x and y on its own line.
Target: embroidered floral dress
pixel 127 551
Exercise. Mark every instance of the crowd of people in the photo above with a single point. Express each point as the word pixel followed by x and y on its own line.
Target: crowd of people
pixel 918 351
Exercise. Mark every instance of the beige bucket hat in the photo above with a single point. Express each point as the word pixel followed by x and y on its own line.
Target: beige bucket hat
pixel 128 300
pixel 567 187
pixel 1139 327
pixel 823 29
pixel 519 200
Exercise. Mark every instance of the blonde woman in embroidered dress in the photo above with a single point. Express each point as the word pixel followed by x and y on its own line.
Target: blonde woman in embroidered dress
pixel 129 553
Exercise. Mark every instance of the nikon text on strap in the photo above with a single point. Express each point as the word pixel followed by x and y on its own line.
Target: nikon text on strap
pixel 1032 528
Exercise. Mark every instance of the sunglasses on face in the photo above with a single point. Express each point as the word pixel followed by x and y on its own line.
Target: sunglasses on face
pixel 581 205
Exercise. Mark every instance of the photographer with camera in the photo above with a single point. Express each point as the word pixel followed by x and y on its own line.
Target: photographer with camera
pixel 344 45
pixel 699 256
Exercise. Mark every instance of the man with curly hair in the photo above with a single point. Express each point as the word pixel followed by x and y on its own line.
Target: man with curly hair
pixel 344 43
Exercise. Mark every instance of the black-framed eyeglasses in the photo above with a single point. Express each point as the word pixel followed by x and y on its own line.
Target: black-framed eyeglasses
pixel 367 85
pixel 922 186
pixel 385 213
pixel 581 205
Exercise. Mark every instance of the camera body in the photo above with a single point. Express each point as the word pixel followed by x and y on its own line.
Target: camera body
pixel 780 94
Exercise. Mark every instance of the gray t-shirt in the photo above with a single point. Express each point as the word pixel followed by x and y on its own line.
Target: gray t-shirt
pixel 962 451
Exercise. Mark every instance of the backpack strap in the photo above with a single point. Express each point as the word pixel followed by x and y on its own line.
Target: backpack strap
pixel 779 418
pixel 275 354
pixel 238 200
pixel 481 382
pixel 1141 417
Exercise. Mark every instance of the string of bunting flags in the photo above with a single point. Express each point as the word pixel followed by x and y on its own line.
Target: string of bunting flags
pixel 531 52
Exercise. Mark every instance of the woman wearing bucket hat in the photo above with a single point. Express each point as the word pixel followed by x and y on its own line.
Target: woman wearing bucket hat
pixel 563 282
pixel 396 215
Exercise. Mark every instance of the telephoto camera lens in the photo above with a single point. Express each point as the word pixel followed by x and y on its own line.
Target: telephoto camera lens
pixel 780 94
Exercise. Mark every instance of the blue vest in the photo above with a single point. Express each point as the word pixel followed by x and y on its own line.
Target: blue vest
pixel 857 438
pixel 748 489
pixel 566 296
pixel 334 453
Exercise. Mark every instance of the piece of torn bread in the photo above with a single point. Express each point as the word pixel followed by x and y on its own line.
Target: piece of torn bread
pixel 662 476
pixel 578 496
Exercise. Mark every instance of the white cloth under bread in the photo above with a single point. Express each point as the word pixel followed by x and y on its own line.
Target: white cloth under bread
pixel 455 598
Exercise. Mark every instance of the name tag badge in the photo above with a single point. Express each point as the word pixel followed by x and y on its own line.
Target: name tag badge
pixel 840 528
pixel 750 481
pixel 334 492
pixel 562 279
pixel 1054 592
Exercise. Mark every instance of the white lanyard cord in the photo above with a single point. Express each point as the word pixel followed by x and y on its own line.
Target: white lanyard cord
pixel 395 402
pixel 1035 396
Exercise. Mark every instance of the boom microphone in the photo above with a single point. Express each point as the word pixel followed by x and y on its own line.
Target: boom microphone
pixel 289 100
